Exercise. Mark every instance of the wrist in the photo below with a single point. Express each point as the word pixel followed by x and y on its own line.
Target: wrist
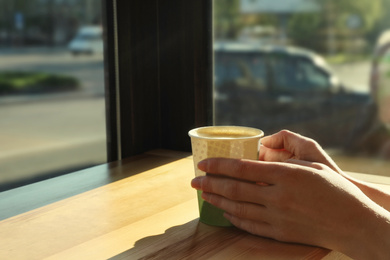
pixel 377 195
pixel 370 240
pixel 380 245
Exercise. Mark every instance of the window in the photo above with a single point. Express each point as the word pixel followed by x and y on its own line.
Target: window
pixel 174 49
pixel 158 74
pixel 52 93
pixel 307 68
pixel 158 61
pixel 299 74
pixel 250 67
pixel 158 83
pixel 314 76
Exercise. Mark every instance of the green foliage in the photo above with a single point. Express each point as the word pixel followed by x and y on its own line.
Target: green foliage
pixel 32 82
pixel 370 11
pixel 228 19
pixel 227 22
pixel 311 30
pixel 303 29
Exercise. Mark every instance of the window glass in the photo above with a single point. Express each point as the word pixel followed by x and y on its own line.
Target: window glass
pixel 52 106
pixel 319 68
pixel 313 76
pixel 231 67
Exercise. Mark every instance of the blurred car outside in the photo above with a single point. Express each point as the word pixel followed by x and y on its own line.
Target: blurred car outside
pixel 276 87
pixel 88 40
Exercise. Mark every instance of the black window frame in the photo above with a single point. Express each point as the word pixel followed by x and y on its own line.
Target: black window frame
pixel 159 67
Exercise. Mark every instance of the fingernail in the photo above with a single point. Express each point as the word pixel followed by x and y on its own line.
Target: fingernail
pixel 264 139
pixel 202 165
pixel 196 183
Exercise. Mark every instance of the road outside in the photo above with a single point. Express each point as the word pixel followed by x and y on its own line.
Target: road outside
pixel 354 75
pixel 87 68
pixel 49 134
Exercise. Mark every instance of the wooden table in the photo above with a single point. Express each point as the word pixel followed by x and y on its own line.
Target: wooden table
pixel 149 213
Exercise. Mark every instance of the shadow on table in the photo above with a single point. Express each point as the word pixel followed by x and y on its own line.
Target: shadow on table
pixel 195 240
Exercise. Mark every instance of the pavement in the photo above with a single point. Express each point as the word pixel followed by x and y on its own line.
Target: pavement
pixel 43 136
pixel 355 76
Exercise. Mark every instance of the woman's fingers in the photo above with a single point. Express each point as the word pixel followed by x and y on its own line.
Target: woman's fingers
pixel 299 146
pixel 253 218
pixel 245 210
pixel 274 155
pixel 315 165
pixel 232 189
pixel 286 145
pixel 251 226
pixel 248 170
pixel 283 140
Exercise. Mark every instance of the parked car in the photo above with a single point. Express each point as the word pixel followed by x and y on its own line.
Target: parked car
pixel 88 40
pixel 272 88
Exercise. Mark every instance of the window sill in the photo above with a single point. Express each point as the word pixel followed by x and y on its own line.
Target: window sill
pixel 29 197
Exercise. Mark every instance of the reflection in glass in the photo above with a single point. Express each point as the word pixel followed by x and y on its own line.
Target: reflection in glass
pixel 52 106
pixel 319 68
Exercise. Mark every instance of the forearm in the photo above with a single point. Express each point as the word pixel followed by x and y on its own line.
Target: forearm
pixel 377 195
pixel 371 240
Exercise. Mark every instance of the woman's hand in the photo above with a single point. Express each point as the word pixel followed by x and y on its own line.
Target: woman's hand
pixel 304 202
pixel 286 145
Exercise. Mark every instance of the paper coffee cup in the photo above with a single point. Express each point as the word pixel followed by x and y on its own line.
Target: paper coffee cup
pixel 221 141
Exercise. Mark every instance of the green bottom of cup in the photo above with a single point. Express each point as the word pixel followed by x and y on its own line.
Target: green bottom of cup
pixel 210 214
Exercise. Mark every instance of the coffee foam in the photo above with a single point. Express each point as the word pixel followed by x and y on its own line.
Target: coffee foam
pixel 227 132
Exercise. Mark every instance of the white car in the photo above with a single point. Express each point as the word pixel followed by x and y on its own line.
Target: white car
pixel 88 40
